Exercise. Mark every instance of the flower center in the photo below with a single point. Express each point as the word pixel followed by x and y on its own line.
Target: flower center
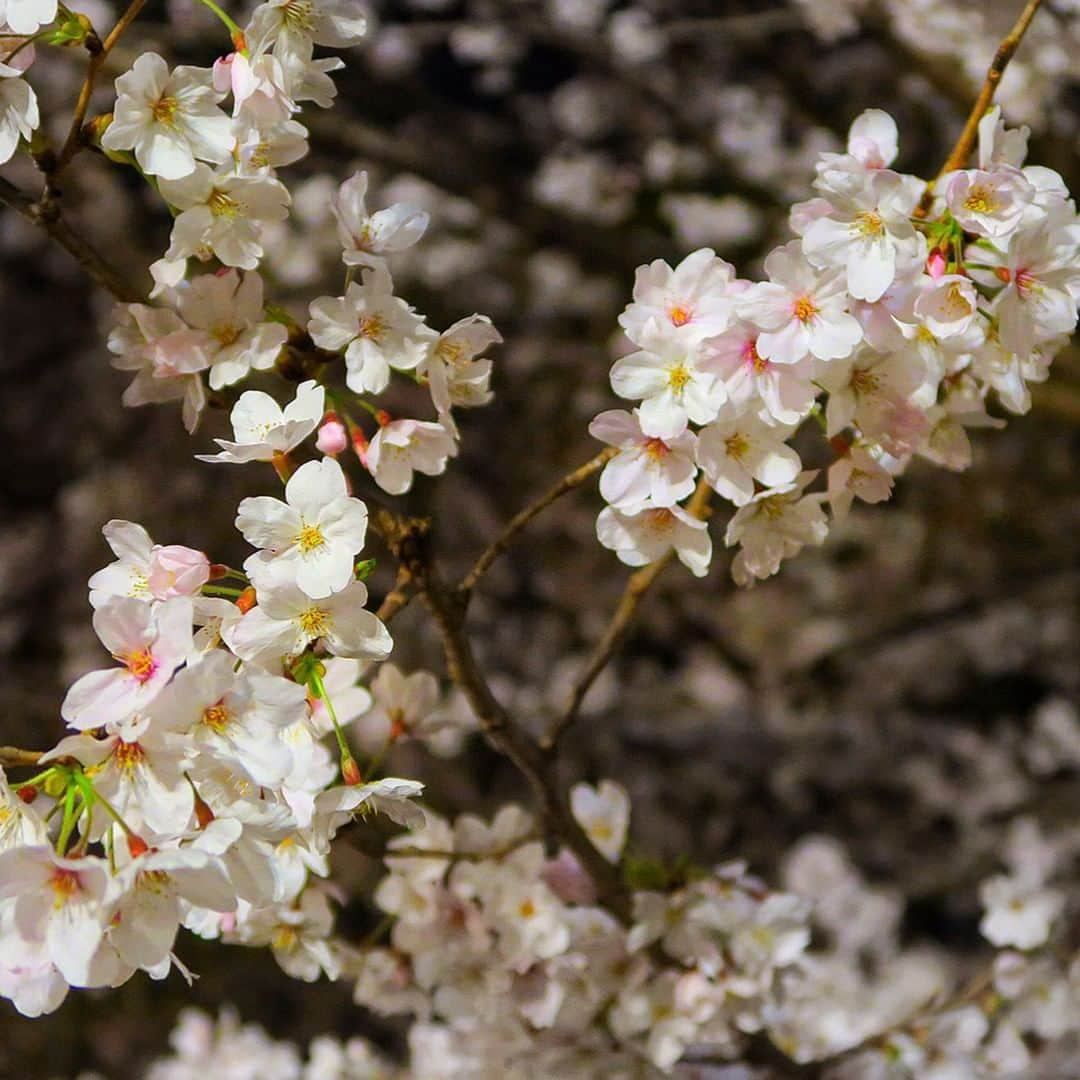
pixel 65 884
pixel 222 205
pixel 869 223
pixel 1024 279
pixel 680 315
pixel 226 334
pixel 863 381
pixel 141 664
pixel 804 309
pixel 297 14
pixel 678 377
pixel 309 538
pixel 217 718
pixel 164 110
pixel 735 446
pixel 754 359
pixel 659 520
pixel 371 326
pixel 656 449
pixel 956 303
pixel 315 621
pixel 981 199
pixel 128 756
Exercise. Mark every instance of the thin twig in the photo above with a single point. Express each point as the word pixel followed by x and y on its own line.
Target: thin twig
pixel 640 582
pixel 73 142
pixel 410 542
pixel 957 159
pixel 522 518
pixel 85 255
pixel 11 757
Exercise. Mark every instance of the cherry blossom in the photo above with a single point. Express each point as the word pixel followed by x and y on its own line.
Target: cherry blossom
pixel 229 308
pixel 377 330
pixel 150 643
pixel 286 621
pixel 643 536
pixel 170 120
pixel 366 238
pixel 313 537
pixel 402 447
pixel 262 428
pixel 647 470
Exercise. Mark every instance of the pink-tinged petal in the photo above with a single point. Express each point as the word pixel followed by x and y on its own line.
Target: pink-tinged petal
pixel 124 625
pixel 100 697
pixel 616 427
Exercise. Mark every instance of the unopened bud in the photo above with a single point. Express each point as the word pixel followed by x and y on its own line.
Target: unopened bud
pixel 350 772
pixel 936 265
pixel 333 439
pixel 247 599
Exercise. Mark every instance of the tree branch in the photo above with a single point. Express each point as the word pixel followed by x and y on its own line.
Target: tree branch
pixel 641 581
pixel 49 219
pixel 410 542
pixel 73 143
pixel 958 158
pixel 522 518
pixel 11 757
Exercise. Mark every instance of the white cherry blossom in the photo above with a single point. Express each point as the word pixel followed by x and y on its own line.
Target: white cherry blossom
pixel 169 120
pixel 676 383
pixel 647 470
pixel 604 813
pixel 644 536
pixel 228 307
pixel 402 447
pixel 687 304
pixel 800 310
pixel 312 537
pixel 366 238
pixel 377 330
pixel 734 451
pixel 285 622
pixel 262 428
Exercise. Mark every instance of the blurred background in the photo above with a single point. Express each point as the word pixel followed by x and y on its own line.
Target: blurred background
pixel 910 689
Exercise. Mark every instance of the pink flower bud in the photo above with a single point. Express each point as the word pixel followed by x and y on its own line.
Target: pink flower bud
pixel 176 570
pixel 936 264
pixel 332 439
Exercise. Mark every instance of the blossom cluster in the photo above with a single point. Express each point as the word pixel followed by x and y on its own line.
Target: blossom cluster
pixel 197 768
pixel 892 322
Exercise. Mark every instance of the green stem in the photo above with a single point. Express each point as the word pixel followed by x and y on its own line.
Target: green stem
pixel 234 31
pixel 92 795
pixel 41 777
pixel 368 407
pixel 70 818
pixel 222 590
pixel 320 689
